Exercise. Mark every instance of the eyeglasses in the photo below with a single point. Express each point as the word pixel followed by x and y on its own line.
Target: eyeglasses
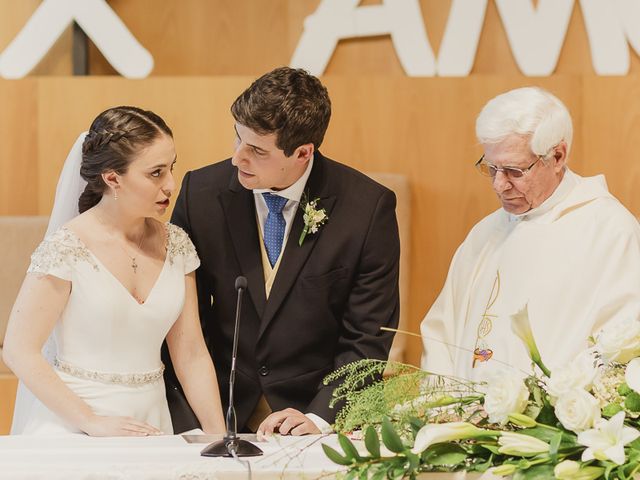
pixel 490 170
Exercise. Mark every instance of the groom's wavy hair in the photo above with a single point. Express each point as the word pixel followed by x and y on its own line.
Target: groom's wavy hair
pixel 114 139
pixel 289 102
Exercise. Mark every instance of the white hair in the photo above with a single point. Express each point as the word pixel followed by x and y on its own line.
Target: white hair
pixel 528 111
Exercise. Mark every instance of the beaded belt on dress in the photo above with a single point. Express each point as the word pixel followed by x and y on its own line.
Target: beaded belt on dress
pixel 130 379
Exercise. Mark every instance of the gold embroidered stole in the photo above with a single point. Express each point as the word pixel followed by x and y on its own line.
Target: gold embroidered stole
pixel 481 351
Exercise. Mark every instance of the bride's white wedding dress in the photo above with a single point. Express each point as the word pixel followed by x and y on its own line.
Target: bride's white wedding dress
pixel 108 343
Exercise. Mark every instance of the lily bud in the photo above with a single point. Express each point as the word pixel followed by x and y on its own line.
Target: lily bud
pixel 522 420
pixel 521 445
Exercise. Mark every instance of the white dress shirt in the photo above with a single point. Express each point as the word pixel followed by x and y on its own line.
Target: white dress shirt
pixel 293 194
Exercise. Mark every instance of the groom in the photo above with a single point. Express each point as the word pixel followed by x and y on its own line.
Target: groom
pixel 319 294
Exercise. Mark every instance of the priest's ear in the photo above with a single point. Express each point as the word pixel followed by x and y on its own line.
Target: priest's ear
pixel 559 156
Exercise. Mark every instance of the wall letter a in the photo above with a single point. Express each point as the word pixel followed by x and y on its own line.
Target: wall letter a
pixel 338 19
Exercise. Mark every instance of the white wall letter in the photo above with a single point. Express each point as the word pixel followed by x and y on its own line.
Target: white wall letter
pixel 338 19
pixel 98 21
pixel 606 23
pixel 536 35
pixel 461 36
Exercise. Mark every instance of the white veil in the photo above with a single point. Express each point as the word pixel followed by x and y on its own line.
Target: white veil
pixel 65 207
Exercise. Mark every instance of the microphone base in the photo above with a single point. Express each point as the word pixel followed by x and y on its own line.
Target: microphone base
pixel 222 448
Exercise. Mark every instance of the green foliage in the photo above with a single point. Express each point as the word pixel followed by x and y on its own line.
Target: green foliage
pixel 445 454
pixel 624 389
pixel 632 401
pixel 611 409
pixel 538 472
pixel 334 456
pixel 372 442
pixel 373 389
pixel 390 437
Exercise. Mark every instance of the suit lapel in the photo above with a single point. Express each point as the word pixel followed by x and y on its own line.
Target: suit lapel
pixel 239 209
pixel 295 256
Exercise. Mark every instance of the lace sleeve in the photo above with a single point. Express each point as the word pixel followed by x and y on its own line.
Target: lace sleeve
pixel 57 254
pixel 180 246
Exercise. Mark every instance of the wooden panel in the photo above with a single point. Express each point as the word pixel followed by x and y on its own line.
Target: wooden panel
pixel 611 135
pixel 8 385
pixel 197 110
pixel 18 147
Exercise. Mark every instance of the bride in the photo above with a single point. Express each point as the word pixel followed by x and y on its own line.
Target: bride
pixel 108 286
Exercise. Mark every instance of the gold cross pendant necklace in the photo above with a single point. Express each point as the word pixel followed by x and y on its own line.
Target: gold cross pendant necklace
pixel 134 264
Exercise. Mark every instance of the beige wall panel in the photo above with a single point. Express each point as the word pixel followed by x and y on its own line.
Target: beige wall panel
pixel 8 386
pixel 611 135
pixel 211 37
pixel 18 148
pixel 197 109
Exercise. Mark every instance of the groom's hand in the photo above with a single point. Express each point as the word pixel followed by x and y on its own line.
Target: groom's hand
pixel 286 422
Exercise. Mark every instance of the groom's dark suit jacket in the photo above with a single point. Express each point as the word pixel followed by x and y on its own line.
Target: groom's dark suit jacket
pixel 329 299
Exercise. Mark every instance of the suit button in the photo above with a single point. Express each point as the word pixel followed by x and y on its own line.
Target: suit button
pixel 263 370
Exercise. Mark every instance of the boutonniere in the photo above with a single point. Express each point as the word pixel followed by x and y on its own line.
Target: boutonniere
pixel 313 217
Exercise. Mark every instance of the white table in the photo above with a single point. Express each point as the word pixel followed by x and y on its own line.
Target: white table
pixel 157 458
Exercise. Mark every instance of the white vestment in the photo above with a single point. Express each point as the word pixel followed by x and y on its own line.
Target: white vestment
pixel 575 260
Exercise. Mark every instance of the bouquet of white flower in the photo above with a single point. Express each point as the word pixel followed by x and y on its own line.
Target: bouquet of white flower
pixel 578 422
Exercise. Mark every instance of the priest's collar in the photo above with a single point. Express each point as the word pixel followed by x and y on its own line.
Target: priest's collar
pixel 292 192
pixel 568 182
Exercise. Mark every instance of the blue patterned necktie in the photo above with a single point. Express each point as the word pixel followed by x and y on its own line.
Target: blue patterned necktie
pixel 274 226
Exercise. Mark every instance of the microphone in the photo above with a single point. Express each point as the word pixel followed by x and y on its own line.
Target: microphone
pixel 231 445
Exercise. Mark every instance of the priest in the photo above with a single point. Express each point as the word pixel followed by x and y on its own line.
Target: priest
pixel 561 244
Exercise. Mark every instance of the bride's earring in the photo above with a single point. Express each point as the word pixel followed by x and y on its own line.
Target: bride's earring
pixel 115 194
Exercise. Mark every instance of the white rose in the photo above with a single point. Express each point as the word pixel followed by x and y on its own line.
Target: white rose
pixel 632 374
pixel 619 340
pixel 580 374
pixel 318 216
pixel 505 393
pixel 577 410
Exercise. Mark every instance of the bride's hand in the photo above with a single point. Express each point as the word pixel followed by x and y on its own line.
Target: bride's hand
pixel 102 426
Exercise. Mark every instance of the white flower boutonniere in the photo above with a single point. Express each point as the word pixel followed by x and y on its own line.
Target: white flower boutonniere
pixel 313 217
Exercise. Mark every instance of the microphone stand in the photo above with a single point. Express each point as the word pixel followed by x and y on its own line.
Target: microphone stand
pixel 231 445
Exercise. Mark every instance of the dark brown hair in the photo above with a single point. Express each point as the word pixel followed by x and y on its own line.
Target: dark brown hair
pixel 288 102
pixel 115 137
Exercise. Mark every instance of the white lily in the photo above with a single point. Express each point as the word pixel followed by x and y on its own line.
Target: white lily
pixel 632 374
pixel 607 440
pixel 447 432
pixel 521 326
pixel 521 445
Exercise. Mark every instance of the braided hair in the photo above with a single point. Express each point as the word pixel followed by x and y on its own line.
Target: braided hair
pixel 115 136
